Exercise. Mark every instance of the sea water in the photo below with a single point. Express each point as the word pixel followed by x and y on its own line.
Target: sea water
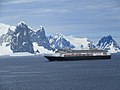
pixel 37 73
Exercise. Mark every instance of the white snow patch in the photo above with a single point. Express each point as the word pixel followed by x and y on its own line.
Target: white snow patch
pixel 36 30
pixel 22 54
pixel 58 36
pixel 78 42
pixel 112 49
pixel 5 50
pixel 4 28
pixel 41 49
pixel 21 23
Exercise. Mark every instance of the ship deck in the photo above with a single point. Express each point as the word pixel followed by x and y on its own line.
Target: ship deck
pixel 68 58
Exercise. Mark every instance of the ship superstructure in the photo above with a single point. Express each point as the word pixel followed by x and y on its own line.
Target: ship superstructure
pixel 61 55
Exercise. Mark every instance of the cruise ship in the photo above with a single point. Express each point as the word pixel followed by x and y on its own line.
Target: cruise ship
pixel 67 55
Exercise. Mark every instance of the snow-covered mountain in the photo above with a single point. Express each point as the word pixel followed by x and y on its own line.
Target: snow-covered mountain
pixel 80 43
pixel 58 41
pixel 109 44
pixel 6 32
pixel 20 41
pixel 39 36
pixel 22 38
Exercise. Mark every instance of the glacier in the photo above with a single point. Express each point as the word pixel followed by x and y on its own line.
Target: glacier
pixel 80 43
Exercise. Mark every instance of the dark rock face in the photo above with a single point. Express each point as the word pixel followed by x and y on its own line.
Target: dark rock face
pixel 108 42
pixel 40 37
pixel 59 42
pixel 20 41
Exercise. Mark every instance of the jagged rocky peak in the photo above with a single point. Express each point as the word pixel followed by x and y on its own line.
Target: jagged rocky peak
pixel 41 32
pixel 58 41
pixel 58 35
pixel 106 40
pixel 21 39
pixel 23 28
pixel 109 44
pixel 39 36
pixel 21 24
pixel 42 28
pixel 109 36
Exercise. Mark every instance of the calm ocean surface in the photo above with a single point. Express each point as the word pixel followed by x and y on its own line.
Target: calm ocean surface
pixel 37 73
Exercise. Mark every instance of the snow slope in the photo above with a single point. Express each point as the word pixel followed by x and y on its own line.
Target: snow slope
pixel 4 28
pixel 5 49
pixel 79 43
pixel 40 49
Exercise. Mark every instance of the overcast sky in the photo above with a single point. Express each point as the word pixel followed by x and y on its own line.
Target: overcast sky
pixel 85 18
